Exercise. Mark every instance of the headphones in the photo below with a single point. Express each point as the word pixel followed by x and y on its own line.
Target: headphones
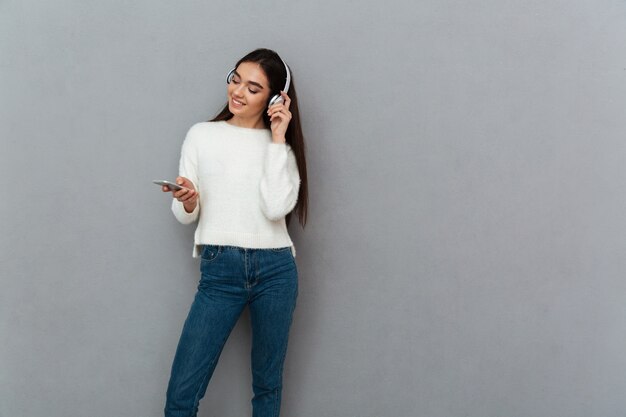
pixel 277 98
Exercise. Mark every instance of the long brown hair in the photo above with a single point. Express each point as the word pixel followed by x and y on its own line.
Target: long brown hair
pixel 276 73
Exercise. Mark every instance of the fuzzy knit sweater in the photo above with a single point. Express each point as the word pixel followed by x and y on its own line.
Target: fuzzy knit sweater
pixel 247 185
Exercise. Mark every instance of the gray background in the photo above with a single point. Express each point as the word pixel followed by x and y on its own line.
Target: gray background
pixel 465 251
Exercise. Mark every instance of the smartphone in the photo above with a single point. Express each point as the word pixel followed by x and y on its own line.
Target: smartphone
pixel 172 186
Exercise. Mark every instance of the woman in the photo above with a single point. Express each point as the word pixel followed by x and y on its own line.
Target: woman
pixel 244 172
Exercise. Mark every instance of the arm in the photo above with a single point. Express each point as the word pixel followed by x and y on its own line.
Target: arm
pixel 280 181
pixel 188 168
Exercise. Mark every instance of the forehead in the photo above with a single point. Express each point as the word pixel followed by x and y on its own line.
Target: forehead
pixel 252 71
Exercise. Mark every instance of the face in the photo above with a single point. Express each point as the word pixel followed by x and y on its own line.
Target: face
pixel 248 92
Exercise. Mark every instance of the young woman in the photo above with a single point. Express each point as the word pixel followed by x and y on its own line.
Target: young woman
pixel 244 173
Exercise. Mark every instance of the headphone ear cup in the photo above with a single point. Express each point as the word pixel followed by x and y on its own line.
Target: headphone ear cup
pixel 275 100
pixel 230 75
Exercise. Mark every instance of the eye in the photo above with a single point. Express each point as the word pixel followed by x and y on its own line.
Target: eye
pixel 252 91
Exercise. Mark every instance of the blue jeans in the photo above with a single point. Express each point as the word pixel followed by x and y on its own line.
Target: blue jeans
pixel 232 277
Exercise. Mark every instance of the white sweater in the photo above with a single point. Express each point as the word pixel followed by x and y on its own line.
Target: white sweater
pixel 247 185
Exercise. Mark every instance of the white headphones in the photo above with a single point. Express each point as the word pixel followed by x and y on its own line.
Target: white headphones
pixel 277 97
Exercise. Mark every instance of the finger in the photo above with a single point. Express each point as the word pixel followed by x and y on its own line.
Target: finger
pixel 185 183
pixel 188 196
pixel 282 110
pixel 276 116
pixel 287 99
pixel 274 108
pixel 179 193
pixel 282 115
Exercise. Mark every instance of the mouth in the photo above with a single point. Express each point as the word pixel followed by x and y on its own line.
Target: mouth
pixel 236 103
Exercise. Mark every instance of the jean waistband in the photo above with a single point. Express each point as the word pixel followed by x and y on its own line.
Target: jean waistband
pixel 242 248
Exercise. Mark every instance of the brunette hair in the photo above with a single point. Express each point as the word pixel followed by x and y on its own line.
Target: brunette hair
pixel 276 73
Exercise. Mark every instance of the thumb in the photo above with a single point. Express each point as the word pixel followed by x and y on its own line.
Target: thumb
pixel 179 180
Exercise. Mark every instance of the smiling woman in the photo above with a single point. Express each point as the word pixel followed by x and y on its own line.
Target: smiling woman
pixel 244 173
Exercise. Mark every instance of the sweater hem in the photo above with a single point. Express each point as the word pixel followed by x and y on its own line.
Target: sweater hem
pixel 241 239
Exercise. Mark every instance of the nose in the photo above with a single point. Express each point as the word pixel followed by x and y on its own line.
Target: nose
pixel 237 90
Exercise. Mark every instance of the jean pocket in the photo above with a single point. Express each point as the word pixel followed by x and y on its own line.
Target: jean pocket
pixel 210 253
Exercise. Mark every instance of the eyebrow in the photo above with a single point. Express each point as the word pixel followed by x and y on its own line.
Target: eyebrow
pixel 250 82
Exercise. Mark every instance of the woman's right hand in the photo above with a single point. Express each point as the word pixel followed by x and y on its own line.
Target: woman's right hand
pixel 188 197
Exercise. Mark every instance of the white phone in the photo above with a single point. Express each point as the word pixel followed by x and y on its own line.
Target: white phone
pixel 172 186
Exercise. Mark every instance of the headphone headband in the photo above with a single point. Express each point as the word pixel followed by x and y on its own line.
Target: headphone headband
pixel 288 80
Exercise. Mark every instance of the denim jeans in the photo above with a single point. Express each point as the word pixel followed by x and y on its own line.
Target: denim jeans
pixel 232 277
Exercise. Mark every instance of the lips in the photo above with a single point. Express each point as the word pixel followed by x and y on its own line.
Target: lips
pixel 237 103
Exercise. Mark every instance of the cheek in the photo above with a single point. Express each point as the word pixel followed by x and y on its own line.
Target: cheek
pixel 257 101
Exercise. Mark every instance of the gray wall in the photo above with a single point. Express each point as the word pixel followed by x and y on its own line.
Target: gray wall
pixel 465 251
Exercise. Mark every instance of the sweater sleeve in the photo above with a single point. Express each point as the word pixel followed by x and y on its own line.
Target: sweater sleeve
pixel 188 168
pixel 280 181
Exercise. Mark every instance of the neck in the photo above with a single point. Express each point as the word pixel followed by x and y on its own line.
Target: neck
pixel 250 124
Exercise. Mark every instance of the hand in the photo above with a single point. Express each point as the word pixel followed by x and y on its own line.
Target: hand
pixel 279 118
pixel 188 196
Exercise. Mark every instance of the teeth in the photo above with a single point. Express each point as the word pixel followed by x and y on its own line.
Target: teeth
pixel 237 102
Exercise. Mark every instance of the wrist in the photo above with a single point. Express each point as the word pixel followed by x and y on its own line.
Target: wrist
pixel 279 139
pixel 189 207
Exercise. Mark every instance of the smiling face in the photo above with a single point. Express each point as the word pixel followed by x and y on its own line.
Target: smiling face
pixel 248 93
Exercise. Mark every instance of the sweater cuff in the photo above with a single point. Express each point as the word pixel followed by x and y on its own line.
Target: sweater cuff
pixel 182 215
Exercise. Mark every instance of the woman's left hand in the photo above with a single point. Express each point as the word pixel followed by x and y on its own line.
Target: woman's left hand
pixel 279 118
